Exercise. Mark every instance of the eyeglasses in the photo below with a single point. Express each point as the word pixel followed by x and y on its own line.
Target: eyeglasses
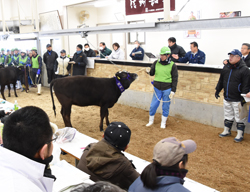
pixel 53 140
pixel 231 56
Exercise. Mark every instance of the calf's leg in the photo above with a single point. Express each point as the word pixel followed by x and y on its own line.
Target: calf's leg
pixel 14 87
pixel 66 111
pixel 2 91
pixel 107 117
pixel 9 89
pixel 103 113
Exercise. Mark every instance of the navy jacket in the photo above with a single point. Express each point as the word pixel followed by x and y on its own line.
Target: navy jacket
pixel 137 56
pixel 165 184
pixel 199 58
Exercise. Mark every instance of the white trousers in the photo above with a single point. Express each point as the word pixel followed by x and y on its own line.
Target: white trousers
pixel 234 111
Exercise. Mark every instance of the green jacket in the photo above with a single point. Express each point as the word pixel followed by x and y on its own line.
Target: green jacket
pixel 105 52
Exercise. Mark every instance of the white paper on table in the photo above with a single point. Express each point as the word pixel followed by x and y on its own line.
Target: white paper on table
pixel 67 175
pixel 247 99
pixel 91 63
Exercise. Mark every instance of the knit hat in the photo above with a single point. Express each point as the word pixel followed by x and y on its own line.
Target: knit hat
pixel 117 134
pixel 79 46
pixel 170 151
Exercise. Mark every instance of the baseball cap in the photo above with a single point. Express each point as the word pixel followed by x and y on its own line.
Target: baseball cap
pixel 117 134
pixel 170 151
pixel 48 45
pixel 235 52
pixel 63 51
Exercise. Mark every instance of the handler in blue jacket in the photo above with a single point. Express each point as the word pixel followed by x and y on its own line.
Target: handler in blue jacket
pixel 135 54
pixel 195 56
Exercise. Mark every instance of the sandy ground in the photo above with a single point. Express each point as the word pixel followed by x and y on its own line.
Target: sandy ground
pixel 218 162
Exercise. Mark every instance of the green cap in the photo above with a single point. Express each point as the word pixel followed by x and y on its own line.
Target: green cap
pixel 34 49
pixel 12 49
pixel 165 51
pixel 2 49
pixel 16 49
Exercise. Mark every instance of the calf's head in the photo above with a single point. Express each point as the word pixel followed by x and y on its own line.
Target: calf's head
pixel 126 78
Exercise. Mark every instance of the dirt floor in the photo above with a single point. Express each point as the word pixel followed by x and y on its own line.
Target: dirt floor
pixel 218 162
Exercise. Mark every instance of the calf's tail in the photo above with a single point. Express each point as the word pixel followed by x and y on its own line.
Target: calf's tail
pixel 51 92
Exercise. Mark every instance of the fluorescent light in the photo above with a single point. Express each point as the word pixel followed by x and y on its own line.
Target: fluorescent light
pixel 104 3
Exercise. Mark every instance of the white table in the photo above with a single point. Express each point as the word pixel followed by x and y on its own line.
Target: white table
pixel 68 175
pixel 76 147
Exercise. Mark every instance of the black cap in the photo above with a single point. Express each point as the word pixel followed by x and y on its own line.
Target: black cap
pixel 63 51
pixel 117 134
pixel 49 45
pixel 80 46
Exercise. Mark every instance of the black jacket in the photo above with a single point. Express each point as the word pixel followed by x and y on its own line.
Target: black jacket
pixel 50 60
pixel 247 60
pixel 81 62
pixel 90 53
pixel 164 86
pixel 234 80
pixel 178 50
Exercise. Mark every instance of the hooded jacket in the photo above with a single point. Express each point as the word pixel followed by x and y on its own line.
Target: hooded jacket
pixel 164 184
pixel 178 50
pixel 234 81
pixel 103 162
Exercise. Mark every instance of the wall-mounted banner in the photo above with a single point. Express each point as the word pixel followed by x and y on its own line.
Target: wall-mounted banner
pixel 134 7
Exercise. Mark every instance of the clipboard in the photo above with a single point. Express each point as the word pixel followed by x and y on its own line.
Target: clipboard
pixel 150 55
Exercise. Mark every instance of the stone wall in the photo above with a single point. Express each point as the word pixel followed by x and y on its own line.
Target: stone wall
pixel 195 86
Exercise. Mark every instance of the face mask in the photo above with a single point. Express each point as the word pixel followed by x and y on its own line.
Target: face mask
pixel 86 49
pixel 136 45
pixel 101 48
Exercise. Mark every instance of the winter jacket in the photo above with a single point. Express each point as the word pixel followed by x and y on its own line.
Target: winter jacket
pixel 118 54
pixel 105 52
pixel 49 58
pixel 62 64
pixel 90 53
pixel 174 73
pixel 137 56
pixel 81 62
pixel 103 162
pixel 247 60
pixel 234 81
pixel 178 50
pixel 164 183
pixel 199 58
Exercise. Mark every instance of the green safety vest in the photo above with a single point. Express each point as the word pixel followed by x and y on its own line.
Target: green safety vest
pixel 23 60
pixel 15 58
pixel 35 63
pixel 163 72
pixel 9 59
pixel 2 58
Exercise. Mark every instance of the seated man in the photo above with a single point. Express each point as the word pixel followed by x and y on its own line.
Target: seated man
pixel 88 51
pixel 26 152
pixel 138 52
pixel 195 56
pixel 104 161
pixel 104 51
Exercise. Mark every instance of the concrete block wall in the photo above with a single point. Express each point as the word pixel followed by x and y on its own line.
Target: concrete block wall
pixel 194 86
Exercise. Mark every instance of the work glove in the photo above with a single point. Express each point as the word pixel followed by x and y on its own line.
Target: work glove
pixel 38 72
pixel 148 70
pixel 242 101
pixel 171 95
pixel 28 65
pixel 217 94
pixel 21 62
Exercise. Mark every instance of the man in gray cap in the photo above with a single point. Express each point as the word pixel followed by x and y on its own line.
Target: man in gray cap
pixel 234 79
pixel 49 58
pixel 104 161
